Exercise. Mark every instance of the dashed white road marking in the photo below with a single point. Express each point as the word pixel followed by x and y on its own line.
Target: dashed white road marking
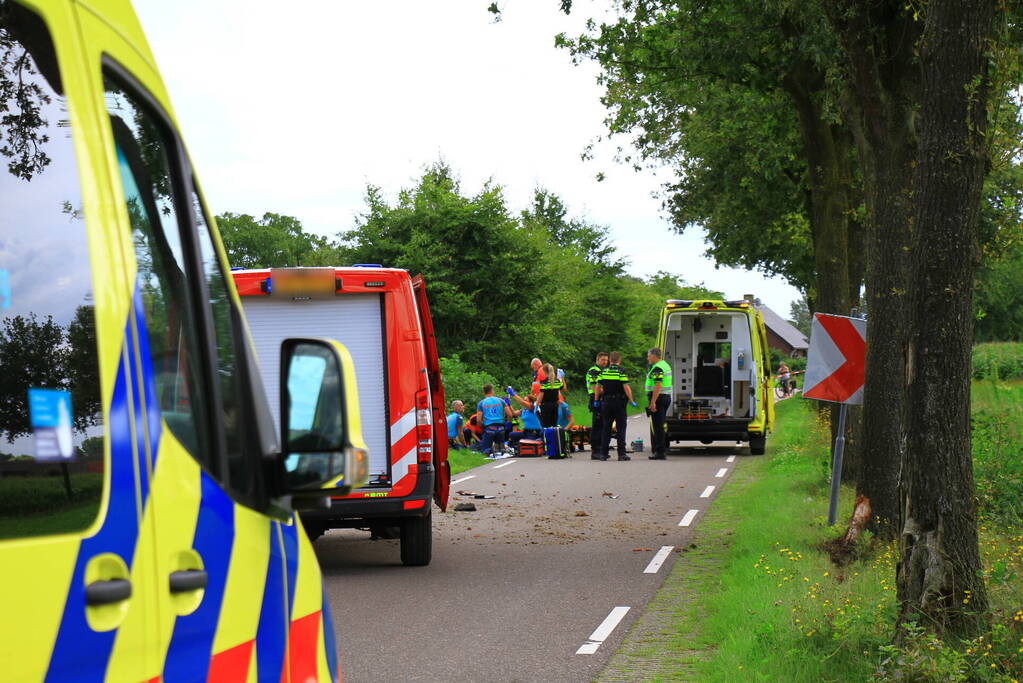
pixel 459 481
pixel 707 491
pixel 605 629
pixel 658 559
pixel 721 472
pixel 689 517
pixel 504 464
pixel 730 458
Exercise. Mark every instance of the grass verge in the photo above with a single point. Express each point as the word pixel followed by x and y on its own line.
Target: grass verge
pixel 464 459
pixel 754 599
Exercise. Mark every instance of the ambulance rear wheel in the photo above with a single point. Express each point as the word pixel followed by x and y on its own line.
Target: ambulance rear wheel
pixel 417 541
pixel 757 444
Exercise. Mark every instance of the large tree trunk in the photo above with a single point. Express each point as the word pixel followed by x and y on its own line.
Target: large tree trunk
pixel 878 43
pixel 939 572
pixel 827 161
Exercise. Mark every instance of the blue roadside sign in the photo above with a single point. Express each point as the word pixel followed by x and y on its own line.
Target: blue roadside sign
pixel 50 416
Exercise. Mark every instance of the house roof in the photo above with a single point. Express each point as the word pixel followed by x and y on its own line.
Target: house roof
pixel 783 328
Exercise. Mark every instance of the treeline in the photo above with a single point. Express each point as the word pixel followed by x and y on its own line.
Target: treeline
pixel 869 152
pixel 504 286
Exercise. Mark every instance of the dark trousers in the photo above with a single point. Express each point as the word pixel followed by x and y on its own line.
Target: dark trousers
pixel 612 411
pixel 596 428
pixel 549 414
pixel 658 435
pixel 493 435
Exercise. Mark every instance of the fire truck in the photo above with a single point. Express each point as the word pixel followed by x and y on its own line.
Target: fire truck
pixel 383 317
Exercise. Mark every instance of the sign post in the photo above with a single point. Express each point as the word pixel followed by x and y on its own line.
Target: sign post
pixel 835 371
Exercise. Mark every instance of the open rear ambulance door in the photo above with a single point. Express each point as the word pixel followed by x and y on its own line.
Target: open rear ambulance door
pixel 440 423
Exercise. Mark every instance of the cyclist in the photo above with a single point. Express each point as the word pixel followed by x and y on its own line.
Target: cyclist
pixel 785 378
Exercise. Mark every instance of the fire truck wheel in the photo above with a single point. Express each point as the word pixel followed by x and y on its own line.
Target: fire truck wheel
pixel 757 444
pixel 417 541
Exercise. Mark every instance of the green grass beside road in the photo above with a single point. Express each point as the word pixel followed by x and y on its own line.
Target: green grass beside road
pixel 755 599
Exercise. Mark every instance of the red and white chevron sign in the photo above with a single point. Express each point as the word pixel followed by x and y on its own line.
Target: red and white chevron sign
pixel 837 359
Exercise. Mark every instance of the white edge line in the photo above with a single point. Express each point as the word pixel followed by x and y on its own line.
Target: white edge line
pixel 689 517
pixel 504 464
pixel 658 559
pixel 609 624
pixel 730 458
pixel 459 481
pixel 588 649
pixel 721 472
pixel 707 491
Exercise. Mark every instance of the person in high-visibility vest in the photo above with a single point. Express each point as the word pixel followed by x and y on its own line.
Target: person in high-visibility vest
pixel 611 393
pixel 596 424
pixel 550 396
pixel 658 394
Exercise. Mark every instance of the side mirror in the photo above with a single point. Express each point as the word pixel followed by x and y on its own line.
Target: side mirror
pixel 321 432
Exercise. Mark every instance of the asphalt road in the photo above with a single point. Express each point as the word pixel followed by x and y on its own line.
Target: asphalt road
pixel 519 589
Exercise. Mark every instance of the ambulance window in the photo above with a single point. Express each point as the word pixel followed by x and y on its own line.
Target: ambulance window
pixel 224 318
pixel 51 433
pixel 162 282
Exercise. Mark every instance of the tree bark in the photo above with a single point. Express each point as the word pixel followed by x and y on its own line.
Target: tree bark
pixel 828 165
pixel 939 578
pixel 878 43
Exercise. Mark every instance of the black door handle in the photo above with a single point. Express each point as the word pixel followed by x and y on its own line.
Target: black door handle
pixel 107 592
pixel 188 580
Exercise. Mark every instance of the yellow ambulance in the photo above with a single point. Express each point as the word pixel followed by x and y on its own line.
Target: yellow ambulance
pixel 721 367
pixel 147 513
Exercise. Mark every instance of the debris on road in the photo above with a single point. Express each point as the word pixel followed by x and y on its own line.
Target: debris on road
pixel 582 513
pixel 608 494
pixel 465 507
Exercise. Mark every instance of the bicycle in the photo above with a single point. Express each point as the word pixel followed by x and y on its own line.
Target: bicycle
pixel 787 387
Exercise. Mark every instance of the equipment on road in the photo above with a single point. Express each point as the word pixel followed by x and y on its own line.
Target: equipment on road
pixel 554 442
pixel 529 448
pixel 721 370
pixel 383 315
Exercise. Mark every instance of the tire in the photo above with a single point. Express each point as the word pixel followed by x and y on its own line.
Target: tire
pixel 417 541
pixel 779 393
pixel 757 444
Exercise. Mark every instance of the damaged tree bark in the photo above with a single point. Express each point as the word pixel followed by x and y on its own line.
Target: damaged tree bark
pixel 939 578
pixel 879 42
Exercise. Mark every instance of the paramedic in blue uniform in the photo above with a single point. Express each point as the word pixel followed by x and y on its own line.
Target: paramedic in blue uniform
pixel 531 428
pixel 611 393
pixel 491 412
pixel 456 439
pixel 658 395
pixel 596 429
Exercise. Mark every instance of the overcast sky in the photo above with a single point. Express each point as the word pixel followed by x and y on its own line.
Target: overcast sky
pixel 295 107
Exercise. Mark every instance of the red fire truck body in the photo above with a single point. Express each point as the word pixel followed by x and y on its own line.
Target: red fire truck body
pixel 383 317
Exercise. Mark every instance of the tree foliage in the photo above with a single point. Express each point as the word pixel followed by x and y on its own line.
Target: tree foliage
pixel 272 241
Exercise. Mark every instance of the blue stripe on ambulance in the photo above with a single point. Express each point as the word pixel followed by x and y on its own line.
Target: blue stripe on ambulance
pixel 328 635
pixel 290 537
pixel 80 653
pixel 270 637
pixel 191 646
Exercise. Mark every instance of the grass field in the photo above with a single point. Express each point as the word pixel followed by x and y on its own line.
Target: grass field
pixel 764 603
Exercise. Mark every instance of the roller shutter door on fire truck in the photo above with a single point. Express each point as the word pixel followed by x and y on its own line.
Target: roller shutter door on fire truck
pixel 356 321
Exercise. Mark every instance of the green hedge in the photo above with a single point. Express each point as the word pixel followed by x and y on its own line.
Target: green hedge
pixel 998 360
